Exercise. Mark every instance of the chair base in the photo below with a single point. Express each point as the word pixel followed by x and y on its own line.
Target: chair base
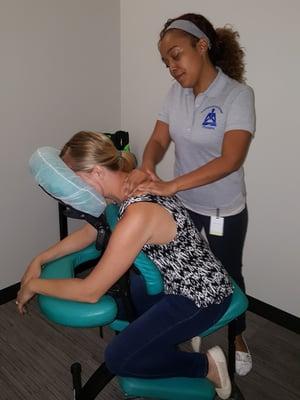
pixel 168 388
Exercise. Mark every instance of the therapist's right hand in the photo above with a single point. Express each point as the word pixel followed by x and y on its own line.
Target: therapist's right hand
pixel 135 178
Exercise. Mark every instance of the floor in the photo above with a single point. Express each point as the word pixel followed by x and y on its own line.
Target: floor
pixel 35 356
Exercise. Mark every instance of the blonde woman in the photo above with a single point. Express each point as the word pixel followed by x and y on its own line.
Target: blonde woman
pixel 197 289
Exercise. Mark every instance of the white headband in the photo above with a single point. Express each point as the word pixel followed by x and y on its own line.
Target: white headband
pixel 189 27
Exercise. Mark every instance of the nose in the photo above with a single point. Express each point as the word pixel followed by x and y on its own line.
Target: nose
pixel 172 67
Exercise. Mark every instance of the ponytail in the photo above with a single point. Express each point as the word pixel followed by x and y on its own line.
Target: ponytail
pixel 227 53
pixel 127 161
pixel 87 149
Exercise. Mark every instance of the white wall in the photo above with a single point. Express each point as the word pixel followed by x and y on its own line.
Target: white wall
pixel 270 32
pixel 59 73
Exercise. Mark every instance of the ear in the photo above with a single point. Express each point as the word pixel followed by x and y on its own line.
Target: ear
pixel 202 45
pixel 98 171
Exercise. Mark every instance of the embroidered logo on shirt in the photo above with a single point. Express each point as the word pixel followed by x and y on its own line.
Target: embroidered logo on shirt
pixel 210 120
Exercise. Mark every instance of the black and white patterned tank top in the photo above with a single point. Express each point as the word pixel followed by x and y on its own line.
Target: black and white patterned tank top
pixel 187 264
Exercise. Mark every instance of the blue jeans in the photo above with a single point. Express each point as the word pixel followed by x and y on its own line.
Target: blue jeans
pixel 228 248
pixel 148 347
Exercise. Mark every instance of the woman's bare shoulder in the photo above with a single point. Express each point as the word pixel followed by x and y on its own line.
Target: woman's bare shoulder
pixel 154 219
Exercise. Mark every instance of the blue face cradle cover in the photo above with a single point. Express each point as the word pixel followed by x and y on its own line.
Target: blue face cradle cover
pixel 58 180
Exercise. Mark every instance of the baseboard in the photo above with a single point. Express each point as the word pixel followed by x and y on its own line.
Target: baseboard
pixel 9 293
pixel 274 314
pixel 256 306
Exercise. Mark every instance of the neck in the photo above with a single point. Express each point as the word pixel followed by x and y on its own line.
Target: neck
pixel 115 188
pixel 208 75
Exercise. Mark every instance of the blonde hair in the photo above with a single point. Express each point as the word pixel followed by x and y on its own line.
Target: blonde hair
pixel 87 149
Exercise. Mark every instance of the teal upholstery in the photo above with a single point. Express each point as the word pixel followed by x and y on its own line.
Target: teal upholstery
pixel 72 313
pixel 75 314
pixel 151 274
pixel 62 183
pixel 118 325
pixel 168 388
pixel 79 315
pixel 185 388
pixel 238 305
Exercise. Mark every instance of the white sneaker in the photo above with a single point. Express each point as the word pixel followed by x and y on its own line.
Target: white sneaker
pixel 196 343
pixel 218 356
pixel 243 362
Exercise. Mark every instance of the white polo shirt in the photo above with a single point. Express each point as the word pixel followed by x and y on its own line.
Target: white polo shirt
pixel 197 127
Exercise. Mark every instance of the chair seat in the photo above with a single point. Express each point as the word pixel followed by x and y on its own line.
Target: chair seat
pixel 238 305
pixel 168 388
pixel 185 388
pixel 73 313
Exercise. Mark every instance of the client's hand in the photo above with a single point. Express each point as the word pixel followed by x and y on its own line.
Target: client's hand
pixel 33 271
pixel 24 295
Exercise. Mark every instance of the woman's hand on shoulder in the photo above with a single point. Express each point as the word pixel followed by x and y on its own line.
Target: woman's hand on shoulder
pixel 160 188
pixel 136 178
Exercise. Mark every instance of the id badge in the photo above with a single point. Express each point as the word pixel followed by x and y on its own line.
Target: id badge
pixel 216 226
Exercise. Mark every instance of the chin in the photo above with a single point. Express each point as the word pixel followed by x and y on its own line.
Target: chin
pixel 184 84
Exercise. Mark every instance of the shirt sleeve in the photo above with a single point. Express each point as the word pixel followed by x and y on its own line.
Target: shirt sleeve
pixel 241 114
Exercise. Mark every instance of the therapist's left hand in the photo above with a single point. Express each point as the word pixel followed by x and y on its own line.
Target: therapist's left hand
pixel 160 188
pixel 24 295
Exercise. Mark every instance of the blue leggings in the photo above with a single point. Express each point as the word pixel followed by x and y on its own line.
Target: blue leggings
pixel 148 347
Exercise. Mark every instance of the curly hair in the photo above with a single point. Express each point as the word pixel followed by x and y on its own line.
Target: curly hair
pixel 225 51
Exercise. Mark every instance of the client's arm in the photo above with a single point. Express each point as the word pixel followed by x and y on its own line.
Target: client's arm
pixel 141 223
pixel 76 241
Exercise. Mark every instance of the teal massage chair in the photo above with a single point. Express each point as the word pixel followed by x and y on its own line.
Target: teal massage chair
pixel 81 201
